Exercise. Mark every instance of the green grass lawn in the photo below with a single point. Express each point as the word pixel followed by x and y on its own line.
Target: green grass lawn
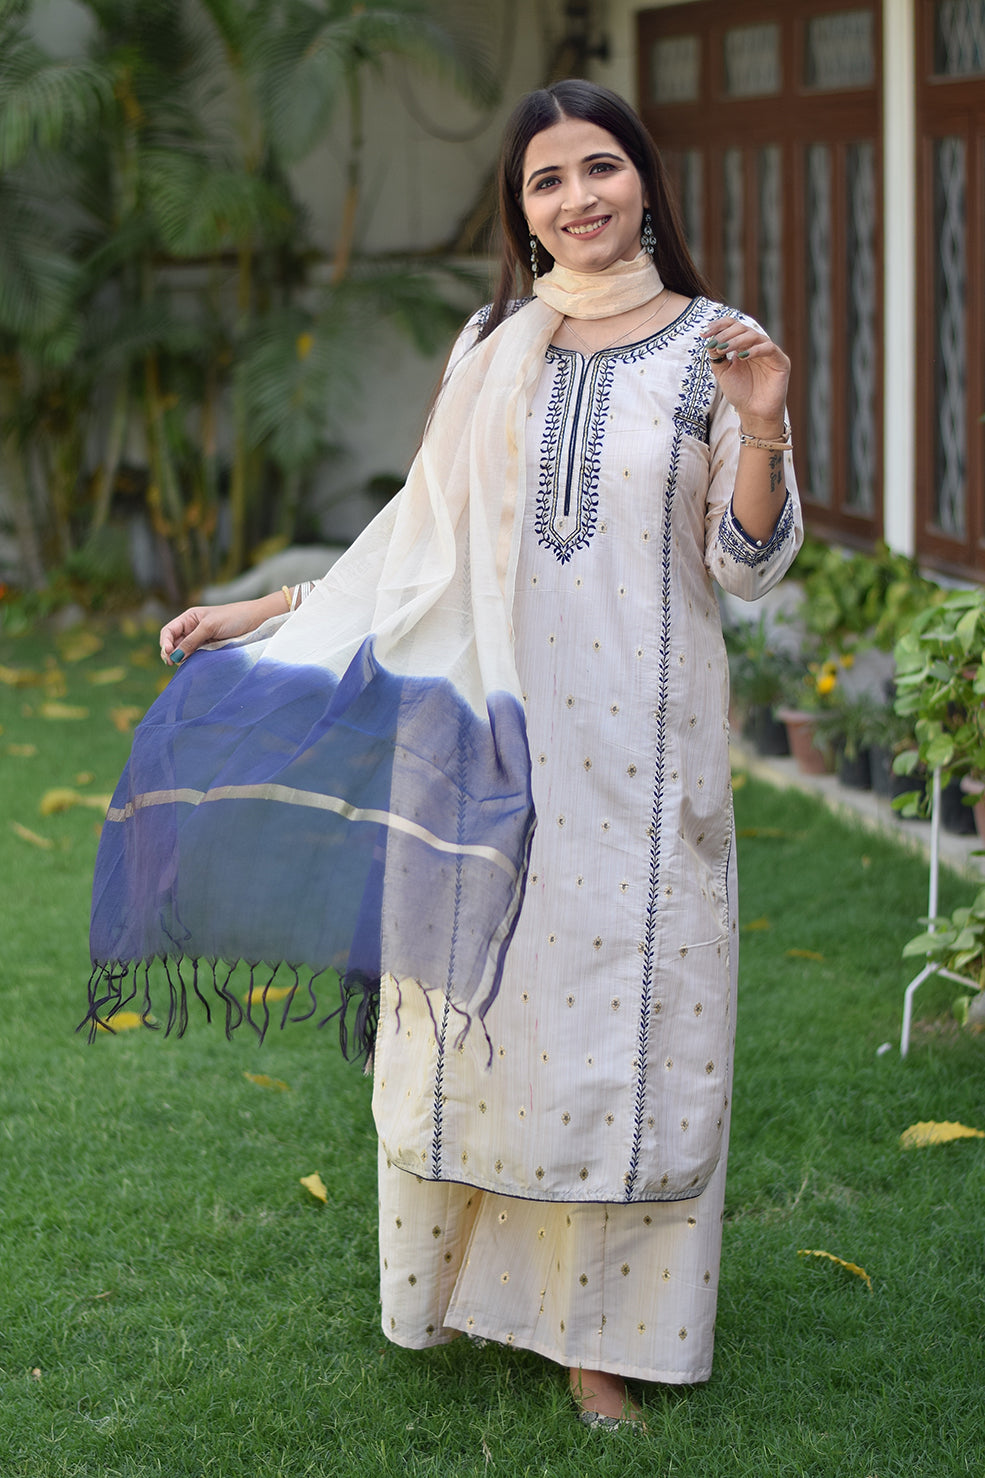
pixel 174 1302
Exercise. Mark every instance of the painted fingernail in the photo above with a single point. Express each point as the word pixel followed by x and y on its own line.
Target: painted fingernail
pixel 743 353
pixel 177 656
pixel 712 343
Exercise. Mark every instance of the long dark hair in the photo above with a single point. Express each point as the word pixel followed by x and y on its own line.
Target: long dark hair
pixel 577 98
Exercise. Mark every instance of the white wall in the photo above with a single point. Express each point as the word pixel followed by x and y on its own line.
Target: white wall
pixel 900 274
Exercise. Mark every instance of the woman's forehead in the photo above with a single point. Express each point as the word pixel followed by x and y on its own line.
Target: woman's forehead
pixel 568 141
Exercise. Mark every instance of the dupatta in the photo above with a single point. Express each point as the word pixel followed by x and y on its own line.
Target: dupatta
pixel 346 791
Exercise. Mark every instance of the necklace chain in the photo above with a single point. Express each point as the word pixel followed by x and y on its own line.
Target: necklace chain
pixel 635 329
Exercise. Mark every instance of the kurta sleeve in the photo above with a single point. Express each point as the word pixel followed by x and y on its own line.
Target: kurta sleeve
pixel 743 566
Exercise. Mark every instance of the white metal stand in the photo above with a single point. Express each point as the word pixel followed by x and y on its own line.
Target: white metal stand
pixel 933 969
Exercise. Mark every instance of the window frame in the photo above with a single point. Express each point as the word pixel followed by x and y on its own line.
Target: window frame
pixel 839 118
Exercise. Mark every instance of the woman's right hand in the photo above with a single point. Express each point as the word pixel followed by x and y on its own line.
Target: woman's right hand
pixel 200 624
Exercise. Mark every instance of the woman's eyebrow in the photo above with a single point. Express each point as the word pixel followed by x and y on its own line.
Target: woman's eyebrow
pixel 588 159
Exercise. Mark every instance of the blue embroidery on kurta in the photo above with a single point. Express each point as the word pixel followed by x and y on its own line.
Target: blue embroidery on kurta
pixel 736 543
pixel 571 452
pixel 697 388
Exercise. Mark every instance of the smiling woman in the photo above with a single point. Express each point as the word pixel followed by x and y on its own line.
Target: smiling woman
pixel 529 633
pixel 582 197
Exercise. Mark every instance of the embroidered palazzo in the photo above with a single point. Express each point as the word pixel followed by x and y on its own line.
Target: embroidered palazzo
pixel 581 1144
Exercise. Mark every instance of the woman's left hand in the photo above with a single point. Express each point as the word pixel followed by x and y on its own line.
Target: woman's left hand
pixel 752 372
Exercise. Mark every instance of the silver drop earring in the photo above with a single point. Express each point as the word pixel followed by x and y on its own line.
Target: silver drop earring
pixel 533 255
pixel 647 239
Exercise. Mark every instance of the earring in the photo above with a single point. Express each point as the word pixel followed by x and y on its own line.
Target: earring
pixel 647 239
pixel 533 255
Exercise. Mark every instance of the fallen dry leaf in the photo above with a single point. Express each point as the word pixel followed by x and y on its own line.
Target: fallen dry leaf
pixel 927 1132
pixel 76 645
pixel 105 675
pixel 263 1081
pixel 22 751
pixel 756 926
pixel 803 954
pixel 123 1021
pixel 101 802
pixel 84 777
pixel 19 677
pixel 851 1267
pixel 256 995
pixel 59 799
pixel 63 710
pixel 316 1186
pixel 26 835
pixel 125 717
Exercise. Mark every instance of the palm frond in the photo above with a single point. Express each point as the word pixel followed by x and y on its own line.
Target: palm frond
pixel 199 207
pixel 295 381
pixel 118 336
pixel 38 282
pixel 414 297
pixel 43 101
pixel 304 65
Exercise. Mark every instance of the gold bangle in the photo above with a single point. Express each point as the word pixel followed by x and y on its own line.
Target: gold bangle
pixel 286 593
pixel 782 443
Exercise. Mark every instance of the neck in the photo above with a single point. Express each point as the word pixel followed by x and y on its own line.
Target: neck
pixel 616 289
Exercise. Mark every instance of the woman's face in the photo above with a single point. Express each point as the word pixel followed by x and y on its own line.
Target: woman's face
pixel 582 196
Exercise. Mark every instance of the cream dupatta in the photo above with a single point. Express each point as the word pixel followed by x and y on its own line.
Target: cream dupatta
pixel 347 791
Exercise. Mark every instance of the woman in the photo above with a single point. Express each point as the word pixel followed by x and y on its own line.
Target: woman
pixel 530 631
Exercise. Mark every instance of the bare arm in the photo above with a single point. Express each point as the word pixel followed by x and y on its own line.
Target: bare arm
pixel 753 373
pixel 199 624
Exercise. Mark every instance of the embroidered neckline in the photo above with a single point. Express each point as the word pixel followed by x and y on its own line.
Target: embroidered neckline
pixel 669 330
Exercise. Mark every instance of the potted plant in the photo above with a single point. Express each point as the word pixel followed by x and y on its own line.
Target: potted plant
pixel 955 943
pixel 940 688
pixel 854 600
pixel 852 729
pixel 895 737
pixel 759 671
pixel 810 700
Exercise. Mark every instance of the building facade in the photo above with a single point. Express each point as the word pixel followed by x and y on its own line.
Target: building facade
pixel 830 158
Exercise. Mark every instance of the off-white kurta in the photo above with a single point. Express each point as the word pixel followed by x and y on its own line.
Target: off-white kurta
pixel 580 1146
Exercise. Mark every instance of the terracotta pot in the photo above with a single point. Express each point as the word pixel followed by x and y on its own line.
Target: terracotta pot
pixel 811 759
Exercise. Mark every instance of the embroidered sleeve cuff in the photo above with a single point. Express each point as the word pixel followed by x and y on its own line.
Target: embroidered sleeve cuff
pixel 745 550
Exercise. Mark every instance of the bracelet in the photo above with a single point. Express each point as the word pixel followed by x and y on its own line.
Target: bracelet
pixel 286 593
pixel 782 443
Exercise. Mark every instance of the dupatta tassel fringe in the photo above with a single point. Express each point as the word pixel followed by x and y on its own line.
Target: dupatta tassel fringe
pixel 176 979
